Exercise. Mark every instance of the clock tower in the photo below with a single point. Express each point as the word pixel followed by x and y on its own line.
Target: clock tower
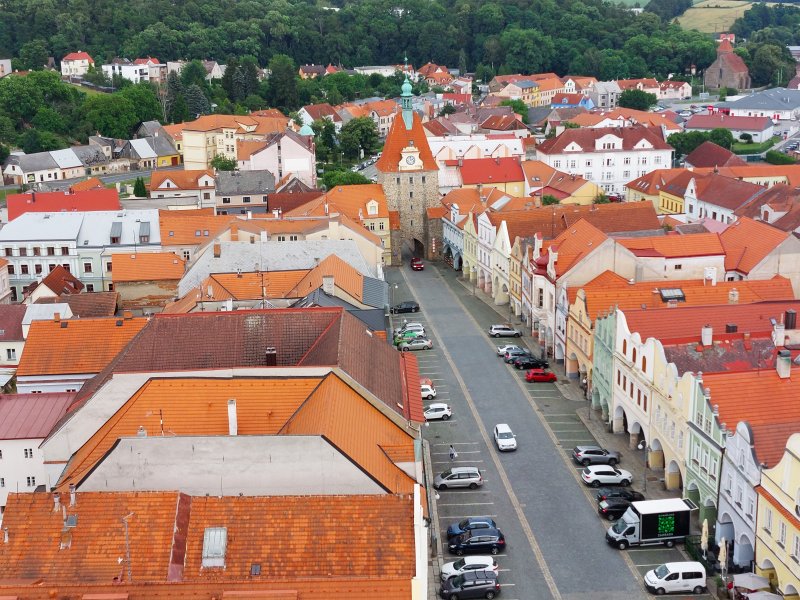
pixel 410 179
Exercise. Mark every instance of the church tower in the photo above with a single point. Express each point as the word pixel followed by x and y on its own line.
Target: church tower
pixel 410 179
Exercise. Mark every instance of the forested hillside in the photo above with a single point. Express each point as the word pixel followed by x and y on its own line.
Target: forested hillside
pixel 569 36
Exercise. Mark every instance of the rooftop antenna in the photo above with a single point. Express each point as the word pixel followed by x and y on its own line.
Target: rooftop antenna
pixel 128 546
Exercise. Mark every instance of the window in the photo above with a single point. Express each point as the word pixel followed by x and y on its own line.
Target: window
pixel 37 251
pixel 292 238
pixel 678 267
pixel 795 546
pixel 110 287
pixel 186 255
pixel 782 534
pixel 11 354
pixel 2 482
pixel 64 250
pixel 66 268
pixel 246 199
pixel 108 266
pixel 10 269
pixel 768 520
pixel 31 481
pixel 750 508
pixel 625 346
pixel 87 267
pixel 23 269
pixel 28 452
pixel 115 240
pixel 9 252
pixel 37 269
pixel 281 238
pixel 23 252
pixel 634 356
pixel 644 363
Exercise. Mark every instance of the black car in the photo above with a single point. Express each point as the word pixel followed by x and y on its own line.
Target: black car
pixel 531 362
pixel 629 495
pixel 405 307
pixel 479 541
pixel 612 508
pixel 513 355
pixel 469 524
pixel 472 584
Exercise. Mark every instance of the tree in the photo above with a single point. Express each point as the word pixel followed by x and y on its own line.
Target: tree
pixel 774 157
pixel 548 199
pixel 637 99
pixel 194 73
pixel 447 109
pixel 721 137
pixel 746 138
pixel 324 138
pixel 145 102
pixel 47 119
pixel 4 152
pixel 97 77
pixel 283 83
pixel 358 134
pixel 519 107
pixel 601 198
pixel 223 163
pixel 196 101
pixel 7 133
pixel 112 115
pixel 33 55
pixel 332 179
pixel 33 141
pixel 139 189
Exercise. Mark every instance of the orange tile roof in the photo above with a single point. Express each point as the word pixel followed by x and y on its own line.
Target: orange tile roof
pixel 245 148
pixel 248 286
pixel 146 266
pixel 394 219
pixel 574 244
pixel 609 290
pixel 345 277
pixel 181 229
pixel 183 180
pixel 398 138
pixel 352 201
pixel 777 405
pixel 165 539
pixel 92 183
pixel 437 212
pixel 467 199
pixel 792 519
pixel 355 427
pixel 748 242
pixel 675 246
pixel 174 131
pixel 75 346
pixel 592 118
pixel 539 174
pixel 250 124
pixel 651 183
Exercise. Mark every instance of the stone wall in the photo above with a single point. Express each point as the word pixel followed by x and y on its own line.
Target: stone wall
pixel 411 194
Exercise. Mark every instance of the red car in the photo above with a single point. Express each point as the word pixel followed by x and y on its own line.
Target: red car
pixel 416 264
pixel 540 376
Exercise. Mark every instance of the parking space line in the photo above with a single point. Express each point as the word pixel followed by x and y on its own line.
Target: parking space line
pixel 468 504
pixel 456 444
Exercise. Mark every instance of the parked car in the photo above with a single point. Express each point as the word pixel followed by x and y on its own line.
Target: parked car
pixel 409 326
pixel 540 376
pixel 513 355
pixel 503 330
pixel 472 584
pixel 485 540
pixel 597 475
pixel 405 307
pixel 502 349
pixel 676 577
pixel 530 362
pixel 595 455
pixel 478 562
pixel 469 524
pixel 411 334
pixel 417 264
pixel 629 495
pixel 419 343
pixel 457 477
pixel 427 389
pixel 504 438
pixel 438 410
pixel 612 508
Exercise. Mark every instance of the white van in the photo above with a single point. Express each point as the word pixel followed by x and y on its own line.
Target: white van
pixel 676 577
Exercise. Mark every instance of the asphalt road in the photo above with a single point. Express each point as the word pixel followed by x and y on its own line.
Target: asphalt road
pixel 111 178
pixel 555 539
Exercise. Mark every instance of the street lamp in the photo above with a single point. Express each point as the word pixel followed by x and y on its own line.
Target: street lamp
pixel 391 290
pixel 643 446
pixel 474 277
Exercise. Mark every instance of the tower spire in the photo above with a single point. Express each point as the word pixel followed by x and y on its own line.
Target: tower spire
pixel 405 99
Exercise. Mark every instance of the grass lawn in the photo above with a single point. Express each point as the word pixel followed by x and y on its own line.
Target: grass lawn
pixel 740 148
pixel 4 193
pixel 711 16
pixel 87 90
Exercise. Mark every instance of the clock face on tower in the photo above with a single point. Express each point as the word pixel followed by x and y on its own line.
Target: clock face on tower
pixel 410 160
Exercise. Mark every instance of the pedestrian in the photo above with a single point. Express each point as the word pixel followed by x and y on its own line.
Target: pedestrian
pixel 453 453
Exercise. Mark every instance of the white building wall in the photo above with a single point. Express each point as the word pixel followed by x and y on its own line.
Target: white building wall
pixel 21 467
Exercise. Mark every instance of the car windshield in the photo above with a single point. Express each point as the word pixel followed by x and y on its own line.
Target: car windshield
pixel 505 435
pixel 463 524
pixel 619 526
pixel 661 571
pixel 459 564
pixel 447 473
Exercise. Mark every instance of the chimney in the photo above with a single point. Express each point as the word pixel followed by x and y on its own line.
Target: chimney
pixel 271 356
pixel 217 250
pixel 5 535
pixel 497 160
pixel 327 284
pixel 56 317
pixel 733 296
pixel 56 502
pixel 127 315
pixel 779 335
pixel 234 233
pixel 141 432
pixel 460 161
pixel 249 215
pixel 706 335
pixel 784 364
pixel 276 213
pixel 232 421
pixel 73 496
pixel 790 320
pixel 731 328
pixel 326 208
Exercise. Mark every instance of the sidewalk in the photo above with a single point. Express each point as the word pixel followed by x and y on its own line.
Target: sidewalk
pixel 649 481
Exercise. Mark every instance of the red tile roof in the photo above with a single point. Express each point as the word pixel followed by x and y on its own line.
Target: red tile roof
pixel 490 171
pixel 747 243
pixel 90 200
pixel 585 138
pixel 11 316
pixel 675 246
pixel 720 121
pixel 78 56
pixel 146 266
pixel 575 244
pixel 84 305
pixel 399 137
pixel 93 183
pixel 182 180
pixel 709 154
pixel 31 416
pixel 321 111
pixel 60 281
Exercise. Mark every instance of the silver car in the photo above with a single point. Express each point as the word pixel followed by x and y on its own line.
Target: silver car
pixel 415 344
pixel 503 330
pixel 459 477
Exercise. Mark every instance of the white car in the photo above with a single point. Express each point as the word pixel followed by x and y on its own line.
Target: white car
pixel 504 438
pixel 468 563
pixel 428 391
pixel 438 410
pixel 597 475
pixel 501 350
pixel 503 330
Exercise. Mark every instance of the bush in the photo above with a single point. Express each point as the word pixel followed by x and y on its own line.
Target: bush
pixel 774 157
pixel 746 138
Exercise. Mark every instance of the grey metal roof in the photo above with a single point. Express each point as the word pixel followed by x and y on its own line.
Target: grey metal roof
pixel 148 128
pixel 91 154
pixel 236 183
pixel 374 292
pixel 66 159
pixel 116 229
pixel 143 149
pixel 162 145
pixel 144 228
pixel 374 318
pixel 40 161
pixel 774 99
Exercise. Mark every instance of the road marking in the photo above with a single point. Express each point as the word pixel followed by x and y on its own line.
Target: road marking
pixel 537 550
pixel 456 444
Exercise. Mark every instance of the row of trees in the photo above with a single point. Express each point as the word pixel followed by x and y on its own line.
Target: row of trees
pixel 591 37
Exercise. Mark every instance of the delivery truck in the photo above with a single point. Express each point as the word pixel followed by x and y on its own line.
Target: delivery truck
pixel 652 522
